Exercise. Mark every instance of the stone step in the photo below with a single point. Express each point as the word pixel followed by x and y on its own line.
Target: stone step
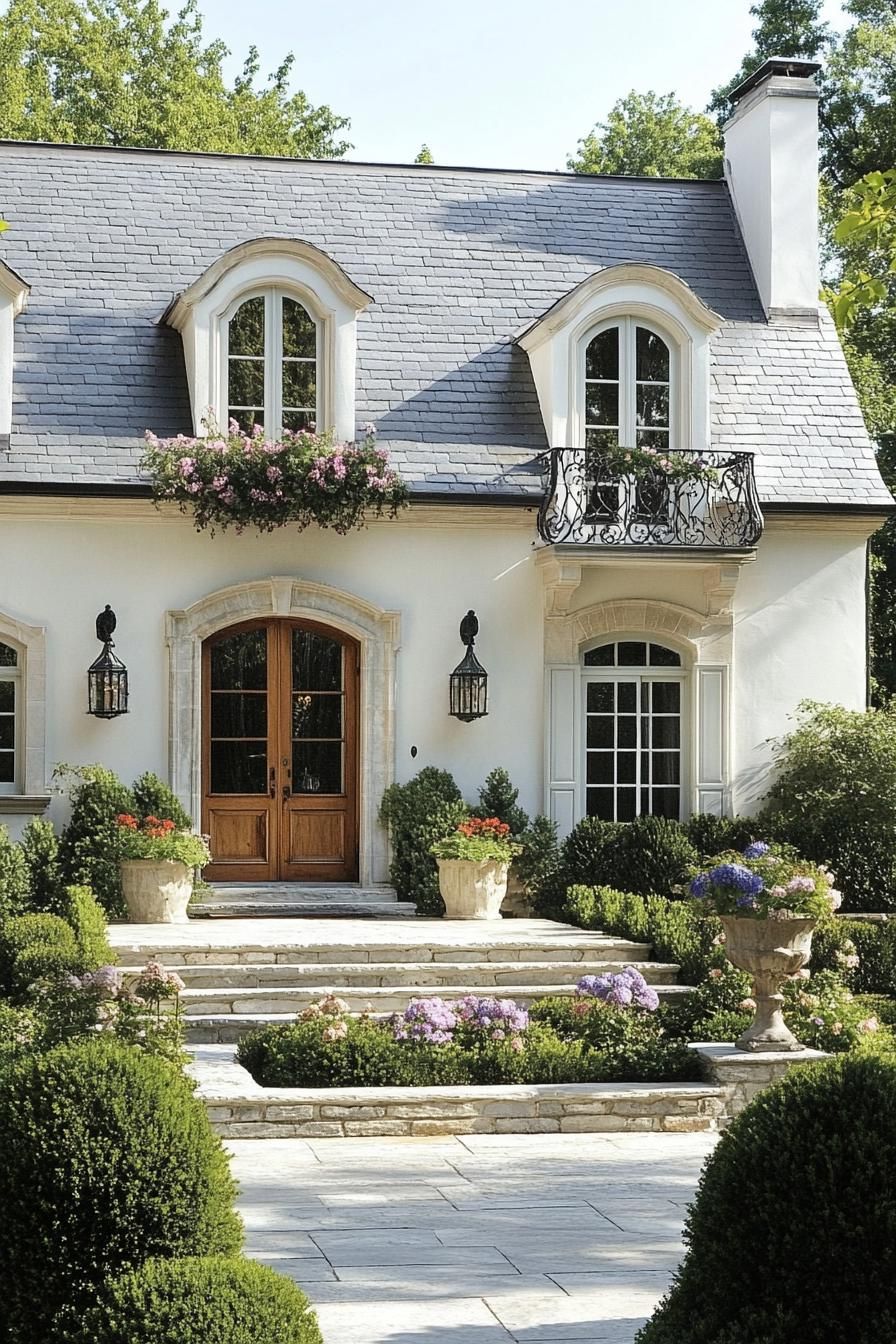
pixel 275 892
pixel 489 975
pixel 306 908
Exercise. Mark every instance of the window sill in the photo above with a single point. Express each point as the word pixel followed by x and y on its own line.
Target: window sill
pixel 24 802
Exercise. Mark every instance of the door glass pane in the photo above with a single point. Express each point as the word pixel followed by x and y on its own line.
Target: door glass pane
pixel 317 767
pixel 236 715
pixel 239 767
pixel 7 697
pixel 7 767
pixel 625 804
pixel 599 803
pixel 316 715
pixel 626 702
pixel 8 656
pixel 239 663
pixel 602 404
pixel 666 732
pixel 600 767
pixel 299 332
pixel 665 697
pixel 245 364
pixel 663 657
pixel 602 657
pixel 626 730
pixel 600 697
pixel 632 654
pixel 653 407
pixel 316 662
pixel 600 730
pixel 246 331
pixel 7 732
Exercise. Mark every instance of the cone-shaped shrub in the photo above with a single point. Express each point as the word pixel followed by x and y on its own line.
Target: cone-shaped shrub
pixel 108 1160
pixel 216 1300
pixel 793 1233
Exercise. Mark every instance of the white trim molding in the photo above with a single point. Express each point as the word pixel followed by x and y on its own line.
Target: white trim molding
pixel 294 267
pixel 556 346
pixel 31 643
pixel 13 296
pixel 376 630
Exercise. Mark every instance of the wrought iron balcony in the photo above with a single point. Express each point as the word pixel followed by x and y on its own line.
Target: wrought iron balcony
pixel 708 500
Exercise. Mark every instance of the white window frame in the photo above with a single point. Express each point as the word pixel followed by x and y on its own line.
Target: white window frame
pixel 13 297
pixel 273 297
pixel 628 383
pixel 615 675
pixel 14 675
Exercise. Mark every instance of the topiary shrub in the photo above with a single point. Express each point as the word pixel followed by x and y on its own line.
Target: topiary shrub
pixel 82 911
pixel 419 813
pixel 712 835
pixel 32 947
pixel 40 851
pixel 793 1232
pixel 834 798
pixel 13 877
pixel 153 798
pixel 88 851
pixel 498 798
pixel 650 856
pixel 109 1160
pixel 197 1300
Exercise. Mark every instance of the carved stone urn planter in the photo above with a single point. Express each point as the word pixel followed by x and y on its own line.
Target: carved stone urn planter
pixel 769 950
pixel 156 891
pixel 472 890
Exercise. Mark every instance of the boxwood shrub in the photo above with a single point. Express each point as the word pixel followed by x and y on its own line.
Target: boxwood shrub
pixel 678 933
pixel 33 946
pixel 793 1232
pixel 108 1160
pixel 196 1300
pixel 13 877
pixel 650 855
pixel 425 809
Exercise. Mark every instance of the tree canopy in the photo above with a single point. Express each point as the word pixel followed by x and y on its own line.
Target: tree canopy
pixel 123 72
pixel 651 135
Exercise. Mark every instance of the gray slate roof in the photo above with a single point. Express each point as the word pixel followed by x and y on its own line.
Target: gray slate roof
pixel 458 262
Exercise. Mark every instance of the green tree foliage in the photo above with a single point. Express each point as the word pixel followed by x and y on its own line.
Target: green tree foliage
pixel 119 72
pixel 13 877
pixel 40 850
pixel 651 135
pixel 783 28
pixel 417 814
pixel 425 155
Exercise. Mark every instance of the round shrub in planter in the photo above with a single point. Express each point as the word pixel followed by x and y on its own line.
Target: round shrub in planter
pixel 109 1160
pixel 211 1300
pixel 793 1232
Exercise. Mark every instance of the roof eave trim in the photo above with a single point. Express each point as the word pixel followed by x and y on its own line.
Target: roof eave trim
pixel 562 313
pixel 180 307
pixel 14 288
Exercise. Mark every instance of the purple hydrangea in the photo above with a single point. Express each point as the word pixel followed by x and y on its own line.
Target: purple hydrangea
pixel 492 1015
pixel 700 885
pixel 626 988
pixel 429 1020
pixel 737 876
pixel 756 850
pixel 747 902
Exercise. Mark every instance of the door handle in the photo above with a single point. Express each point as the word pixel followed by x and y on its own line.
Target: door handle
pixel 273 783
pixel 287 793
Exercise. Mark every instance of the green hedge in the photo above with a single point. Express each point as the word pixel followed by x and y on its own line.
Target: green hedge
pixel 873 942
pixel 645 856
pixel 13 877
pixel 196 1300
pixel 418 813
pixel 108 1160
pixel 677 932
pixel 793 1233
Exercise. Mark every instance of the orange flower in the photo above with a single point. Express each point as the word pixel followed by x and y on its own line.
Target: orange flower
pixel 125 819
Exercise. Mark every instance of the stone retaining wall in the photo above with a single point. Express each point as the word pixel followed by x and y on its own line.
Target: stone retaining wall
pixel 742 1075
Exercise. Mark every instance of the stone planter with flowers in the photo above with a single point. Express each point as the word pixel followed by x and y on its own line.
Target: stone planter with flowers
pixel 473 864
pixel 157 863
pixel 769 902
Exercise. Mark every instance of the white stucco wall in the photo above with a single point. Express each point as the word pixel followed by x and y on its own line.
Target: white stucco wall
pixel 798 626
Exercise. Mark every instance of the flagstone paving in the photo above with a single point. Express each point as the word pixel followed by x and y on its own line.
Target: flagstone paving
pixel 480 1239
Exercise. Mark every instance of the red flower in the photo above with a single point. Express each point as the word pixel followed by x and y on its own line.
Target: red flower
pixel 125 819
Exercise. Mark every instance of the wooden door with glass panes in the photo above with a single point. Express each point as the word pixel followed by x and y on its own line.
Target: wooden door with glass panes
pixel 280 749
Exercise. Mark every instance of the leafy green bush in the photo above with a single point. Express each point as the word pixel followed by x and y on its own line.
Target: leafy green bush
pixel 13 877
pixel 620 1045
pixel 34 946
pixel 88 851
pixel 79 908
pixel 153 798
pixel 498 798
pixel 109 1160
pixel 678 933
pixel 418 814
pixel 196 1300
pixel 650 855
pixel 818 1262
pixel 539 856
pixel 834 798
pixel 712 835
pixel 40 850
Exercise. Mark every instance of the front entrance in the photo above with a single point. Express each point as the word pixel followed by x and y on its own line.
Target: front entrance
pixel 280 752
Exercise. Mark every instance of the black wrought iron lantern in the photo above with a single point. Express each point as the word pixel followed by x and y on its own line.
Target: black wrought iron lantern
pixel 469 680
pixel 107 677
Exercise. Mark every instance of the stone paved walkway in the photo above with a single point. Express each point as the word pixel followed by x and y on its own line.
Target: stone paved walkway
pixel 489 1239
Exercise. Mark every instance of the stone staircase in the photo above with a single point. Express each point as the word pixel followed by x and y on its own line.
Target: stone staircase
pixel 236 980
pixel 299 900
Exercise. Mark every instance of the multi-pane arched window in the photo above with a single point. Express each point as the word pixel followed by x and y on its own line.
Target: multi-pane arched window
pixel 10 716
pixel 271 363
pixel 634 730
pixel 628 380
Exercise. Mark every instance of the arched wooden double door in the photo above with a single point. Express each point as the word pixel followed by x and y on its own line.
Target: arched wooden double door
pixel 280 752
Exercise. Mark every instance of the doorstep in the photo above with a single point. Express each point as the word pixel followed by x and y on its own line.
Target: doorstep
pixel 239 1108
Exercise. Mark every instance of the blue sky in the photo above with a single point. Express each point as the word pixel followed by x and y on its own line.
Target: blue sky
pixel 506 83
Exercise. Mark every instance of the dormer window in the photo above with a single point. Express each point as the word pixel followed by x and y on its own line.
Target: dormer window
pixel 271 352
pixel 270 338
pixel 627 387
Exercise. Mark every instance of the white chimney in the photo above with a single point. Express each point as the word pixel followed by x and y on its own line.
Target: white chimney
pixel 771 166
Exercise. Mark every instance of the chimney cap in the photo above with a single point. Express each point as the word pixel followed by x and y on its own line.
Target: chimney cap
pixel 796 67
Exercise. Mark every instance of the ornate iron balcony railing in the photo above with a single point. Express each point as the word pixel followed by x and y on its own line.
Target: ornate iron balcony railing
pixel 590 499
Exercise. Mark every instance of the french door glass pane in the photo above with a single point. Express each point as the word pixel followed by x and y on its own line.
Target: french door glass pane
pixel 235 714
pixel 239 767
pixel 632 654
pixel 8 656
pixel 7 732
pixel 7 767
pixel 317 767
pixel 7 697
pixel 316 662
pixel 239 714
pixel 239 663
pixel 633 744
pixel 651 357
pixel 317 715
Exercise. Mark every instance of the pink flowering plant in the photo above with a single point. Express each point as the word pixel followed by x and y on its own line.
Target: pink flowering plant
pixel 647 462
pixel 765 882
pixel 246 480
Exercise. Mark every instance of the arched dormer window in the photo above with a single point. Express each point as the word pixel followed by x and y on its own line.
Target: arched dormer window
pixel 270 350
pixel 269 332
pixel 627 387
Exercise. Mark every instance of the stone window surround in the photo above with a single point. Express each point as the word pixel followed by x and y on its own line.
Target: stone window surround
pixel 376 630
pixel 31 643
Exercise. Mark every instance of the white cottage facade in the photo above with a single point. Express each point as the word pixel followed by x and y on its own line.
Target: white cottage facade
pixel 505 333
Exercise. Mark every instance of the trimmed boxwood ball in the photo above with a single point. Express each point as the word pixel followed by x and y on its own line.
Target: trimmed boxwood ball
pixel 793 1232
pixel 108 1160
pixel 198 1300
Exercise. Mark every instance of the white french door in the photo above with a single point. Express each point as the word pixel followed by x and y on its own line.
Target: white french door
pixel 635 735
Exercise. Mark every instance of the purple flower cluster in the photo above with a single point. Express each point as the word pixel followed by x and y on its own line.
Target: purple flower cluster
pixel 625 989
pixel 429 1020
pixel 756 850
pixel 498 1018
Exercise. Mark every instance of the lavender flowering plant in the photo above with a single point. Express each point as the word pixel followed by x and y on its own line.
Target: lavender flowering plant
pixel 624 989
pixel 765 882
